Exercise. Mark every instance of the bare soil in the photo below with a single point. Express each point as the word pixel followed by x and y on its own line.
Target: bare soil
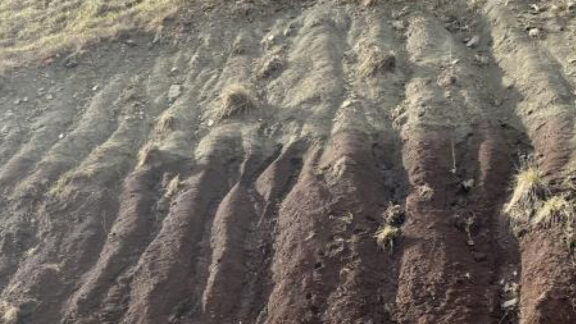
pixel 237 169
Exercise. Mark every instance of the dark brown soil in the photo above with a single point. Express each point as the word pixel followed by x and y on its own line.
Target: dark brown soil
pixel 130 196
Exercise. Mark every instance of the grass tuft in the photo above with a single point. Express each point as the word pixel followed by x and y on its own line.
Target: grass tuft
pixel 173 187
pixel 386 235
pixel 529 191
pixel 166 122
pixel 9 312
pixel 236 100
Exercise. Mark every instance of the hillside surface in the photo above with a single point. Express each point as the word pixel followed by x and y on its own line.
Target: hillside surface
pixel 294 162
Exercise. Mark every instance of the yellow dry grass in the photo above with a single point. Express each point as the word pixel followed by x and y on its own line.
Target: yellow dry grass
pixel 554 210
pixel 236 100
pixel 9 312
pixel 386 235
pixel 529 189
pixel 35 29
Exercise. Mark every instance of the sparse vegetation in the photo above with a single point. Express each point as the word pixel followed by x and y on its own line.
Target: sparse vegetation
pixel 554 210
pixel 38 28
pixel 394 215
pixel 235 100
pixel 166 122
pixel 530 190
pixel 535 205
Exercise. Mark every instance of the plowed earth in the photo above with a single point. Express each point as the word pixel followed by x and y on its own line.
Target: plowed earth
pixel 131 195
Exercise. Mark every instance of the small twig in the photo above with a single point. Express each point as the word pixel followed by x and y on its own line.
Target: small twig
pixel 503 317
pixel 453 170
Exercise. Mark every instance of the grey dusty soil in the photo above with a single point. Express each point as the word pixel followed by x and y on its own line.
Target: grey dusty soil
pixel 236 169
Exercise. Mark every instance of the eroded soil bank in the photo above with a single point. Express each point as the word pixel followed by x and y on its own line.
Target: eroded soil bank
pixel 240 169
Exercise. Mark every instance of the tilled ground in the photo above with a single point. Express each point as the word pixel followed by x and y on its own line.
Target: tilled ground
pixel 238 170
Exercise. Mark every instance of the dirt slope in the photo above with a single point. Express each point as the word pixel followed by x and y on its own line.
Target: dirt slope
pixel 237 169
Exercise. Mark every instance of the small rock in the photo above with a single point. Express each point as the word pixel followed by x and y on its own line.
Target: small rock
pixel 174 92
pixel 507 82
pixel 398 25
pixel 210 122
pixel 130 42
pixel 95 88
pixel 368 3
pixel 510 303
pixel 468 184
pixel 71 61
pixel 534 32
pixel 61 136
pixel 535 8
pixel 346 103
pixel 481 59
pixel 571 5
pixel 174 70
pixel 473 42
pixel 17 101
pixel 25 99
pixel 49 96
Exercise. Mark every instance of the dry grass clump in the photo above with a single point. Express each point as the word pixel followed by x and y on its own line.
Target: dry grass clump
pixel 530 190
pixel 146 154
pixel 394 215
pixel 9 312
pixel 166 122
pixel 386 235
pixel 235 100
pixel 556 209
pixel 173 187
pixel 374 61
pixel 535 205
